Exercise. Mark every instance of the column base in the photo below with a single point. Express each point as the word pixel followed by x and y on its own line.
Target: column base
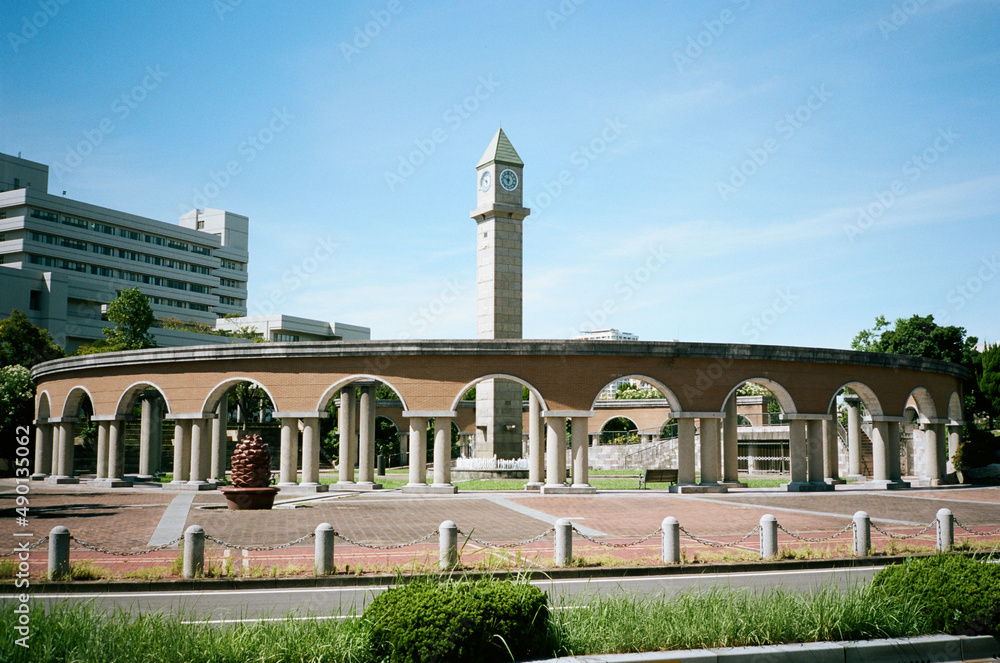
pixel 560 489
pixel 533 486
pixel 834 481
pixel 856 478
pixel 367 485
pixel 886 484
pixel 807 487
pixel 435 489
pixel 286 484
pixel 38 476
pixel 61 480
pixel 196 485
pixel 145 477
pixel 112 483
pixel 305 488
pixel 733 484
pixel 346 485
pixel 696 488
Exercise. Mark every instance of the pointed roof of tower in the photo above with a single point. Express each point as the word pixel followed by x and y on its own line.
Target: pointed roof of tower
pixel 500 151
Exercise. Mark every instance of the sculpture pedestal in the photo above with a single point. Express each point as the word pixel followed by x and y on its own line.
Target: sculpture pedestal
pixel 249 499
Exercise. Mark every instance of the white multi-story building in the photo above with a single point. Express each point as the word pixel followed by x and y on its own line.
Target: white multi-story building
pixel 608 393
pixel 62 261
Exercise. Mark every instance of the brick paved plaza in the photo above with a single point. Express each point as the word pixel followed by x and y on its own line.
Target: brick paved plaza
pixel 128 520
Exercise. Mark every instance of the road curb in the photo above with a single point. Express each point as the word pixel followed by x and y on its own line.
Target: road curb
pixel 944 648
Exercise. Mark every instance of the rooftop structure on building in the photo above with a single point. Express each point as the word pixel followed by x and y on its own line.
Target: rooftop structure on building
pixel 287 328
pixel 606 335
pixel 62 261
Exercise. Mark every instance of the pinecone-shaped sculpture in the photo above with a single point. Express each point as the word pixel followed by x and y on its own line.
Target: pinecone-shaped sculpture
pixel 251 463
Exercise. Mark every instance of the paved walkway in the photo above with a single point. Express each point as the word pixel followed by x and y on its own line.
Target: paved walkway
pixel 149 515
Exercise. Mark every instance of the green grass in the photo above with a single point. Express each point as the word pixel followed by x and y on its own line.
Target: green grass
pixel 601 625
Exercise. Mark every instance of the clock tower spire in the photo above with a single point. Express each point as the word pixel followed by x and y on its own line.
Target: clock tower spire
pixel 499 216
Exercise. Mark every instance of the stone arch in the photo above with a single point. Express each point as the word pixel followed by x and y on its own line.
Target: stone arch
pixel 955 407
pixel 868 398
pixel 327 396
pixel 923 403
pixel 43 408
pixel 780 394
pixel 672 400
pixel 215 394
pixel 603 430
pixel 390 420
pixel 497 376
pixel 73 399
pixel 127 400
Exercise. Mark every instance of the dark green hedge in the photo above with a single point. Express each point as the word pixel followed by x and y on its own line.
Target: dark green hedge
pixel 478 622
pixel 960 595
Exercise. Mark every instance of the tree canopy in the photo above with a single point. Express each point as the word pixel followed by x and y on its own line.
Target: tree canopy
pixel 989 381
pixel 24 344
pixel 919 337
pixel 132 316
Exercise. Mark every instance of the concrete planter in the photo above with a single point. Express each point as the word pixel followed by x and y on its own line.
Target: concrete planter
pixel 249 499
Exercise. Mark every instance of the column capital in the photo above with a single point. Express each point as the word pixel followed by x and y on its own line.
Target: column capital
pixel 568 414
pixel 937 421
pixel 430 414
pixel 799 416
pixel 63 420
pixel 190 416
pixel 41 422
pixel 300 415
pixel 882 418
pixel 111 417
pixel 698 415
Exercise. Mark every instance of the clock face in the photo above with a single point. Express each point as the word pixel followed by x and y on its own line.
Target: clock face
pixel 508 179
pixel 484 181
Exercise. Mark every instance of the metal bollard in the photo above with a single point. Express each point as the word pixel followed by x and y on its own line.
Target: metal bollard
pixel 380 465
pixel 323 565
pixel 945 530
pixel 58 552
pixel 194 551
pixel 447 545
pixel 564 542
pixel 862 534
pixel 768 536
pixel 671 540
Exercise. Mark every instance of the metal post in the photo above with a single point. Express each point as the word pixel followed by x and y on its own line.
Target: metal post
pixel 447 545
pixel 324 550
pixel 768 536
pixel 945 530
pixel 194 551
pixel 862 534
pixel 58 552
pixel 671 540
pixel 564 542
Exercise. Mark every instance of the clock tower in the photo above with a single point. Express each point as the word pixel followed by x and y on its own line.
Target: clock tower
pixel 499 216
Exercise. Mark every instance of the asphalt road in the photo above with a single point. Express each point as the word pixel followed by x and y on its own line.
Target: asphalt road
pixel 231 606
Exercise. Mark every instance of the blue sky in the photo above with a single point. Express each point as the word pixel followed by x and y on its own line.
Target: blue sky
pixel 725 171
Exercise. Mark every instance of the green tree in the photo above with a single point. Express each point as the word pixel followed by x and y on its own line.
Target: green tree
pixel 24 344
pixel 989 382
pixel 132 316
pixel 17 393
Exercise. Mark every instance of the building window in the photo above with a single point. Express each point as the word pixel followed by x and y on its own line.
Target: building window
pixel 35 300
pixel 203 250
pixel 285 338
pixel 47 216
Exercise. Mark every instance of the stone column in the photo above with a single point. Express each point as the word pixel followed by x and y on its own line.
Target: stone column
pixel 731 446
pixel 892 451
pixel 345 426
pixel 116 449
pixel 933 438
pixel 954 437
pixel 536 457
pixel 581 454
pixel 885 453
pixel 43 451
pixel 310 455
pixel 145 439
pixel 814 448
pixel 156 438
pixel 853 404
pixel 200 451
pixel 798 454
pixel 288 471
pixel 711 457
pixel 102 449
pixel 418 452
pixel 880 451
pixel 831 457
pixel 685 452
pixel 442 455
pixel 366 436
pixel 555 447
pixel 219 440
pixel 182 451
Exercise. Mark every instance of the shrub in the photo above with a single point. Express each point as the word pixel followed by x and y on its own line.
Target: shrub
pixel 478 622
pixel 960 595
